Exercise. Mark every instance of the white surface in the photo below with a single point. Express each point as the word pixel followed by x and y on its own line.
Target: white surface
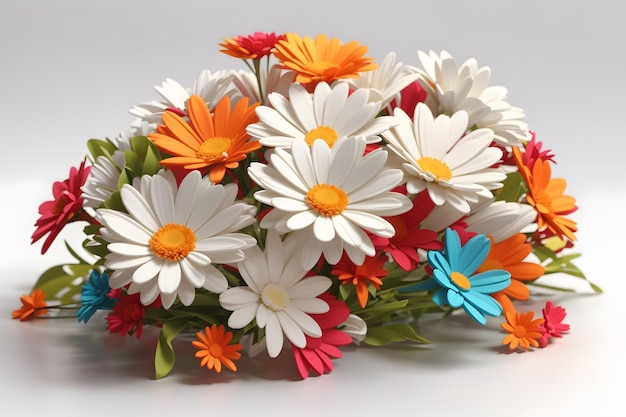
pixel 71 69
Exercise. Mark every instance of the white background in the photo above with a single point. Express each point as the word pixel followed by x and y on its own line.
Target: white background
pixel 70 70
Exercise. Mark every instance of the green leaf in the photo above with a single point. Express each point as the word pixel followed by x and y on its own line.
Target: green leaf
pixel 63 282
pixel 513 188
pixel 400 332
pixel 164 357
pixel 98 147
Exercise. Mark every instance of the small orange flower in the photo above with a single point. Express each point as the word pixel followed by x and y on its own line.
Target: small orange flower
pixel 509 255
pixel 322 59
pixel 207 142
pixel 545 194
pixel 371 272
pixel 254 46
pixel 523 330
pixel 33 305
pixel 215 350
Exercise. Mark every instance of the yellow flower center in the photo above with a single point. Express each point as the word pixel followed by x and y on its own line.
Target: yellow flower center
pixel 519 331
pixel 215 350
pixel 173 242
pixel 460 280
pixel 214 148
pixel 327 200
pixel 326 133
pixel 437 168
pixel 274 297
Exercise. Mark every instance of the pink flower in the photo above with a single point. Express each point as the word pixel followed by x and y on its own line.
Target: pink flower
pixel 553 322
pixel 409 237
pixel 317 353
pixel 254 46
pixel 409 97
pixel 66 206
pixel 533 152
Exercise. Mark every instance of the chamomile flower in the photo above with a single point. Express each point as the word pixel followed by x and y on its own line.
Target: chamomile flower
pixel 437 155
pixel 278 295
pixel 466 87
pixel 329 197
pixel 167 242
pixel 330 113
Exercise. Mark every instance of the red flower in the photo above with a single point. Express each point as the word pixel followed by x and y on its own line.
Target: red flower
pixel 553 322
pixel 409 97
pixel 254 46
pixel 409 237
pixel 533 152
pixel 317 353
pixel 126 316
pixel 65 207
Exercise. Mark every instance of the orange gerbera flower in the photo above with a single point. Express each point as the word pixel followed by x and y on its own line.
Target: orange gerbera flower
pixel 545 194
pixel 33 305
pixel 215 350
pixel 207 142
pixel 371 272
pixel 509 255
pixel 523 330
pixel 321 59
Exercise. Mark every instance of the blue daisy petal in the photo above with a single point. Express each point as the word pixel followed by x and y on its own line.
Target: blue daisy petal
pixel 94 296
pixel 484 303
pixel 491 281
pixel 474 313
pixel 473 254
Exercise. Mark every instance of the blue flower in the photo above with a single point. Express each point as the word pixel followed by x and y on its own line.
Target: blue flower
pixel 95 296
pixel 453 270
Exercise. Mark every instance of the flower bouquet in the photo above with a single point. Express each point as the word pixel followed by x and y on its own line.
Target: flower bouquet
pixel 313 200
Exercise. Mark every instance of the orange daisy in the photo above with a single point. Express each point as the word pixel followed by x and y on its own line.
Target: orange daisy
pixel 322 59
pixel 33 305
pixel 545 194
pixel 509 255
pixel 215 350
pixel 523 330
pixel 207 142
pixel 371 272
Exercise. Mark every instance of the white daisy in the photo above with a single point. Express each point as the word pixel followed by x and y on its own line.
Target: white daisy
pixel 438 155
pixel 211 87
pixel 277 295
pixel 501 220
pixel 277 81
pixel 329 197
pixel 329 114
pixel 386 82
pixel 167 242
pixel 455 88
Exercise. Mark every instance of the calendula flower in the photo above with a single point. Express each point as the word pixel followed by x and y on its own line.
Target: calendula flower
pixel 524 332
pixel 553 322
pixel 371 271
pixel 277 295
pixel 215 348
pixel 172 235
pixel 254 46
pixel 455 279
pixel 510 255
pixel 329 197
pixel 33 305
pixel 322 59
pixel 436 154
pixel 317 355
pixel 208 142
pixel 94 296
pixel 66 207
pixel 545 195
pixel 330 114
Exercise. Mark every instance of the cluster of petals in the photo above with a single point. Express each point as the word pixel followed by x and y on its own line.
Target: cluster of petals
pixel 278 295
pixel 66 206
pixel 322 59
pixel 94 296
pixel 553 322
pixel 371 272
pixel 329 113
pixel 437 155
pixel 33 305
pixel 255 46
pixel 523 330
pixel 318 353
pixel 257 87
pixel 167 242
pixel 452 88
pixel 215 349
pixel 329 198
pixel 127 313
